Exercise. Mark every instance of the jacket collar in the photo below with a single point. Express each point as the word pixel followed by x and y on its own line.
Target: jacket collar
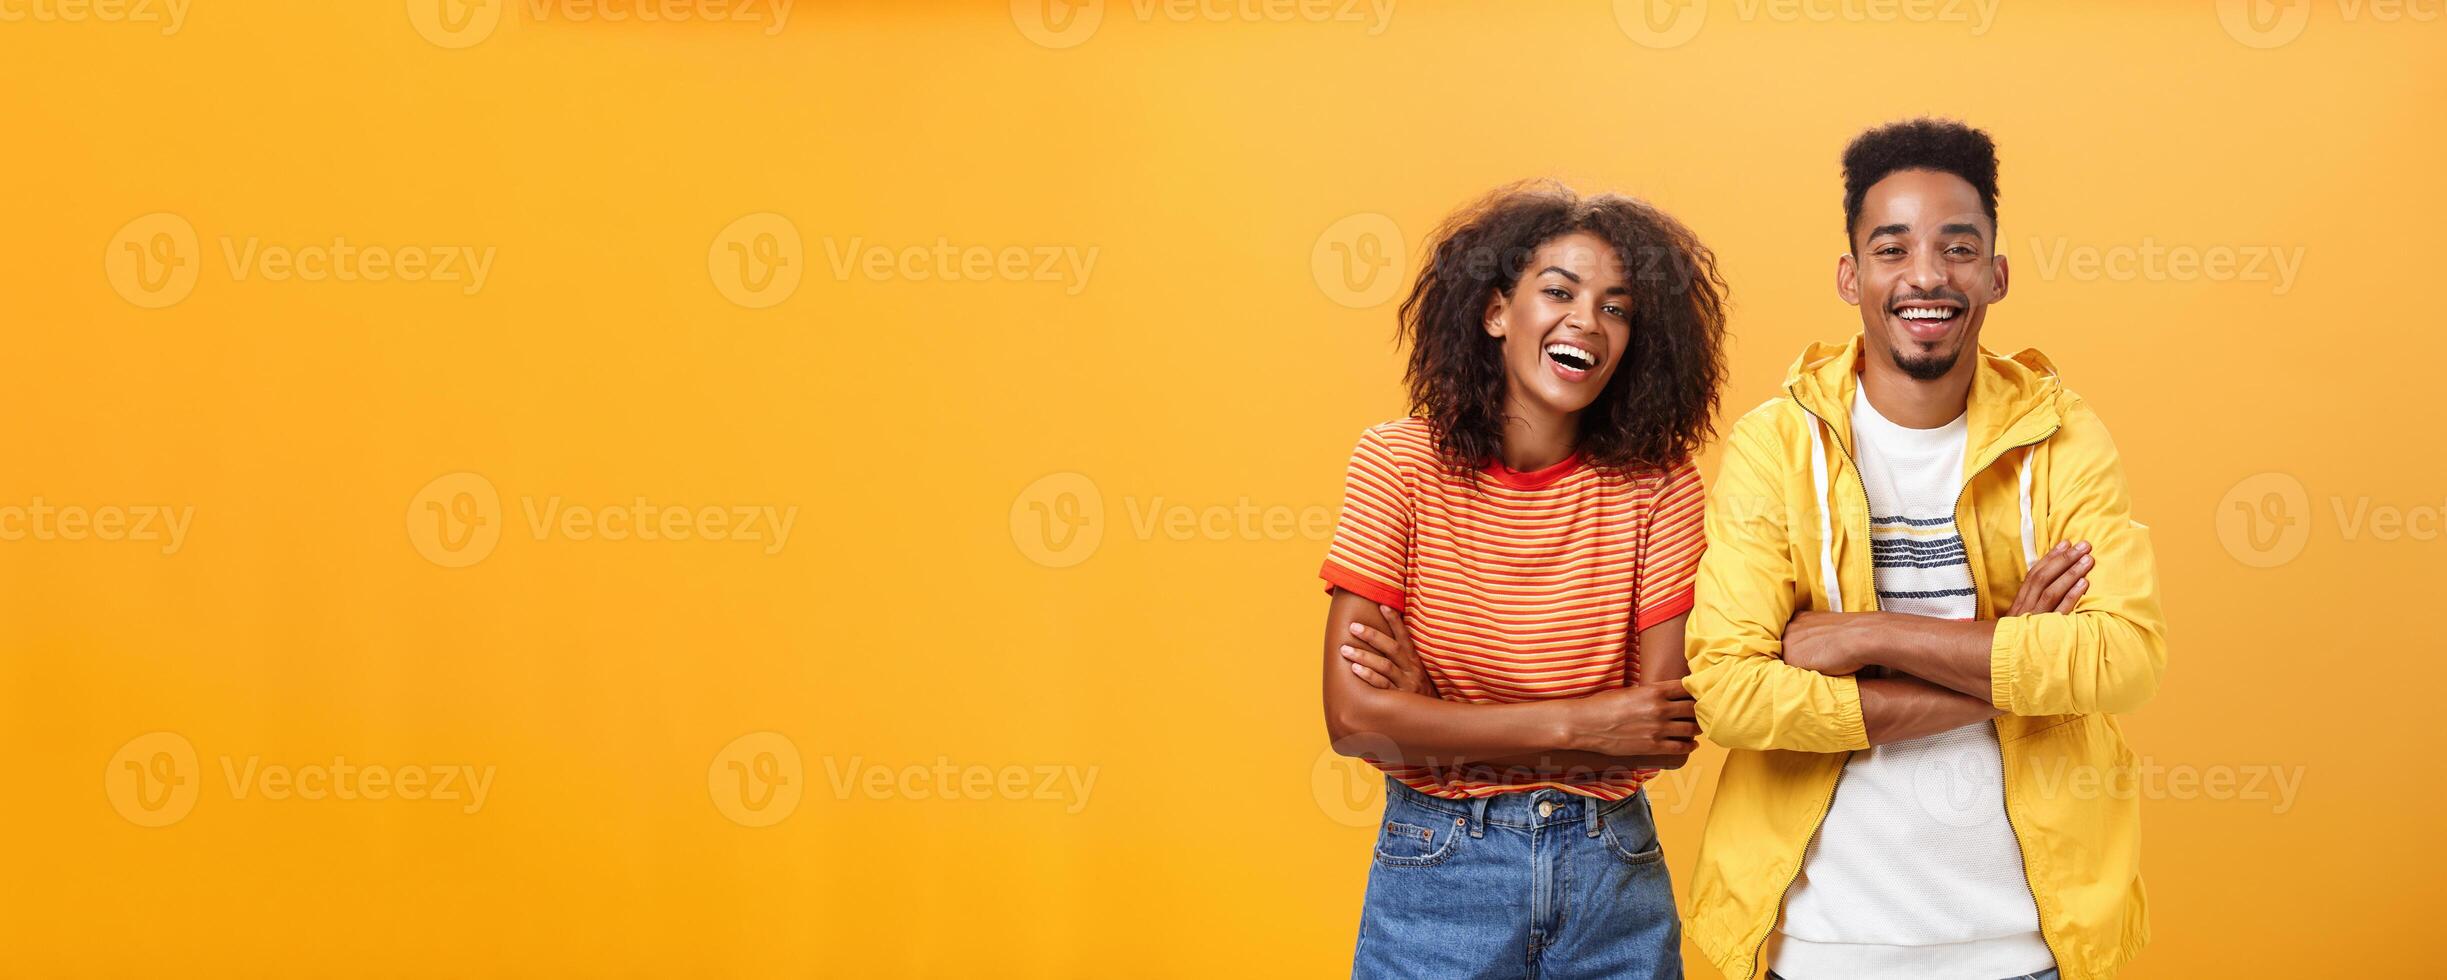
pixel 2013 399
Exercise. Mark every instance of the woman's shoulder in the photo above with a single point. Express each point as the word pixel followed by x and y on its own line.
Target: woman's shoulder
pixel 1409 440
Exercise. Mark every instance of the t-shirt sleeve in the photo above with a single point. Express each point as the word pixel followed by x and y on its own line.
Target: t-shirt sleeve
pixel 1370 553
pixel 1675 539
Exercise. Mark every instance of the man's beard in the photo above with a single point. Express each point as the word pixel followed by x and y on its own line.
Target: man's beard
pixel 1928 367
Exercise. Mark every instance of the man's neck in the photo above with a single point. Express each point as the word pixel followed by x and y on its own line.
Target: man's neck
pixel 1911 402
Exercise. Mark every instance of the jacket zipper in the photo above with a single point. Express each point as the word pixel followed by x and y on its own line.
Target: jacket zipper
pixel 1819 822
pixel 2004 785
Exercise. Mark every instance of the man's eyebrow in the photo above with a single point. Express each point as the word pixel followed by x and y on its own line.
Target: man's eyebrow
pixel 1959 228
pixel 1558 270
pixel 1894 229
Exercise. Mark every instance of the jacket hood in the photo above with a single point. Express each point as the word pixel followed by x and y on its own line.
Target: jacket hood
pixel 2010 396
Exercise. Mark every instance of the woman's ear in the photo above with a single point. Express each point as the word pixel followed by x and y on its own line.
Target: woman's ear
pixel 1493 319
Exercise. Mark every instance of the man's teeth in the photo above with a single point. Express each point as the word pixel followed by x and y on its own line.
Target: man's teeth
pixel 1573 357
pixel 1924 313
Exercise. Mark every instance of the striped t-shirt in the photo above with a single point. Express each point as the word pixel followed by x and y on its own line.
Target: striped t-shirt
pixel 1515 586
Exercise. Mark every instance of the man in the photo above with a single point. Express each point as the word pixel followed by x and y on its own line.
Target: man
pixel 1923 600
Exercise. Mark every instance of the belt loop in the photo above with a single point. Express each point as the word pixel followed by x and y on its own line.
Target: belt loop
pixel 1478 817
pixel 1595 821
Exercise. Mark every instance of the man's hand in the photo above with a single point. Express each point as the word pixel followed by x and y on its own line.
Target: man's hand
pixel 1656 719
pixel 2056 582
pixel 1834 644
pixel 1386 661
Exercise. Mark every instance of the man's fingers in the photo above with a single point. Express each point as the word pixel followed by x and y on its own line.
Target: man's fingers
pixel 2055 592
pixel 2073 596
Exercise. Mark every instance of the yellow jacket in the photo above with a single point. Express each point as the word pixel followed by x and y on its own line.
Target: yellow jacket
pixel 1788 530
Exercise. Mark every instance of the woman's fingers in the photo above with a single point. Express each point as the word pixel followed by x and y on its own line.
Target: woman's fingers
pixel 1371 678
pixel 1393 623
pixel 1382 643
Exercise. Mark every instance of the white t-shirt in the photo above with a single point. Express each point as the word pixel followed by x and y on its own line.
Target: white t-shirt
pixel 1915 873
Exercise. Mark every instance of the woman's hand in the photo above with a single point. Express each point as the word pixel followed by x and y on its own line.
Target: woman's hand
pixel 1649 720
pixel 2056 583
pixel 1385 659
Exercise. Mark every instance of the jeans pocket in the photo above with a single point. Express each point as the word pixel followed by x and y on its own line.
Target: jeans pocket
pixel 1415 839
pixel 1631 833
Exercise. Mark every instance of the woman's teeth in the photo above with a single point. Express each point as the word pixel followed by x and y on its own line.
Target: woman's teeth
pixel 1572 357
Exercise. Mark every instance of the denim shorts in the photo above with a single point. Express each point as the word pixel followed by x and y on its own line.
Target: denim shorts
pixel 1538 883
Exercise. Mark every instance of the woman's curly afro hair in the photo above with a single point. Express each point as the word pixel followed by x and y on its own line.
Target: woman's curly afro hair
pixel 1660 405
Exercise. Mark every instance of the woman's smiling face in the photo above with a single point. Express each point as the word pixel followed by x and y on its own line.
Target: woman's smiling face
pixel 1565 325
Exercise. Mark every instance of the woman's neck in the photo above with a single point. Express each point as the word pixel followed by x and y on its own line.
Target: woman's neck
pixel 1535 440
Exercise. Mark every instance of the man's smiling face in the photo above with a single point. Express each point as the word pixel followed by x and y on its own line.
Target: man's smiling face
pixel 1923 269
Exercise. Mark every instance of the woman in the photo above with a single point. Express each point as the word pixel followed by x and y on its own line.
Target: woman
pixel 1510 575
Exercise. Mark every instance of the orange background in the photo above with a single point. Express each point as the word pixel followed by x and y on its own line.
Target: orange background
pixel 1144 626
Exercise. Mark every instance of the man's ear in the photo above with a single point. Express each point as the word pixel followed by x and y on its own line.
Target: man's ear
pixel 1848 279
pixel 1996 292
pixel 1493 319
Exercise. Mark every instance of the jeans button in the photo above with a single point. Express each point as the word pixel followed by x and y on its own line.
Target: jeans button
pixel 1546 808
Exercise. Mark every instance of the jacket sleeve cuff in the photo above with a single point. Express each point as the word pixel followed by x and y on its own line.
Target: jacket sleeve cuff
pixel 1849 725
pixel 2002 648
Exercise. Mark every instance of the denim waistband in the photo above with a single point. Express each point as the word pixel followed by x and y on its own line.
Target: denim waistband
pixel 1531 809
